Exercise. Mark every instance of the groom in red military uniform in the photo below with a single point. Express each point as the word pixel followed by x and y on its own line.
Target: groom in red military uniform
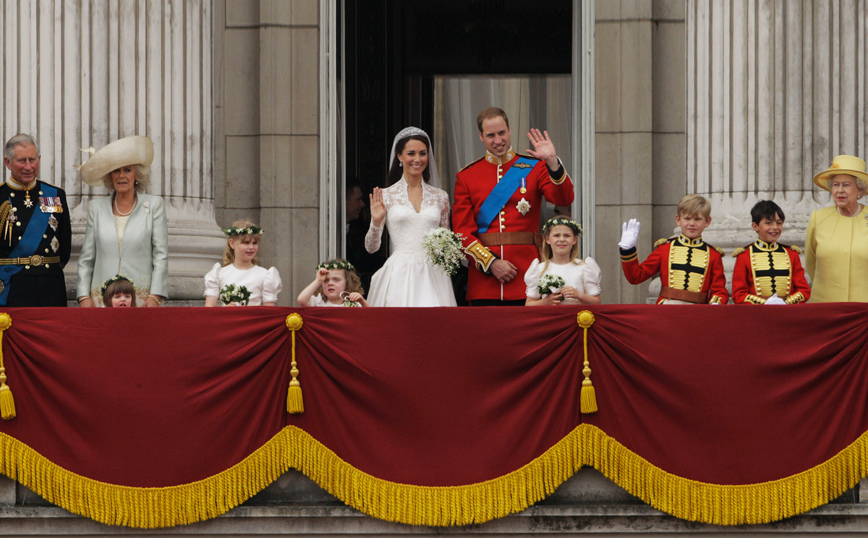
pixel 497 208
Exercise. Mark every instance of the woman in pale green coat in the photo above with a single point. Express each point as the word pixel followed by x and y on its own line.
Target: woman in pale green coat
pixel 126 231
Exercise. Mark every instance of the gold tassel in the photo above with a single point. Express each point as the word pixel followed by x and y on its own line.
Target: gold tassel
pixel 589 396
pixel 7 401
pixel 294 399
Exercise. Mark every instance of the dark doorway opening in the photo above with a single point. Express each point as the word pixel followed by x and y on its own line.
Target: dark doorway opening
pixel 391 52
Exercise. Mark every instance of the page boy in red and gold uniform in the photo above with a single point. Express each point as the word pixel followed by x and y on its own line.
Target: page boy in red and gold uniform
pixel 691 270
pixel 497 209
pixel 768 272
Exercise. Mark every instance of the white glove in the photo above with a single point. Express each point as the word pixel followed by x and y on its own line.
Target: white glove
pixel 774 299
pixel 629 234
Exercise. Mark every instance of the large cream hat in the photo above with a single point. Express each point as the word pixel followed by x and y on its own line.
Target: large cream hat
pixel 123 152
pixel 842 164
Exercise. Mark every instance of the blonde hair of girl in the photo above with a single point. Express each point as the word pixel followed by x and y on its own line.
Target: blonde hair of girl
pixel 547 253
pixel 237 232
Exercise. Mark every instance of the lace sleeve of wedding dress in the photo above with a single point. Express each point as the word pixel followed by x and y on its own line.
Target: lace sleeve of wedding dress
pixel 375 233
pixel 444 210
pixel 372 238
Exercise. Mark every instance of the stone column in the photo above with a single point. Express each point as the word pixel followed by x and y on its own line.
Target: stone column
pixel 774 91
pixel 83 73
pixel 624 135
pixel 266 124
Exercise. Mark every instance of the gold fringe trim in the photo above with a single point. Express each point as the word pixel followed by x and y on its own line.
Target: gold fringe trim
pixel 436 506
pixel 146 508
pixel 585 445
pixel 717 504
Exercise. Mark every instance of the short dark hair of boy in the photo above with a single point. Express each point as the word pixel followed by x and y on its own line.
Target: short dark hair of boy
pixel 766 209
pixel 121 285
pixel 491 112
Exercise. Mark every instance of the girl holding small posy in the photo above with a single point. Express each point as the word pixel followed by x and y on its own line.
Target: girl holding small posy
pixel 336 284
pixel 239 280
pixel 562 277
pixel 118 292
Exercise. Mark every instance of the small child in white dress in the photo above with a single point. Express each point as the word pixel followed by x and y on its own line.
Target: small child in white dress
pixel 241 268
pixel 335 284
pixel 561 258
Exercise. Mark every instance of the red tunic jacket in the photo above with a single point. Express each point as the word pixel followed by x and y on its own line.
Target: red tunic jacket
pixel 791 280
pixel 713 279
pixel 474 183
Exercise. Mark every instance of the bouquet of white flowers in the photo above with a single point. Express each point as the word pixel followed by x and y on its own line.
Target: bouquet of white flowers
pixel 443 247
pixel 550 284
pixel 346 297
pixel 234 294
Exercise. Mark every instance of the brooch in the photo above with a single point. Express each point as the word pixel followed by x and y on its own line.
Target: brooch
pixel 523 206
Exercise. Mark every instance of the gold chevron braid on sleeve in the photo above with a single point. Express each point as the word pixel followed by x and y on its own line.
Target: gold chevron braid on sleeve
pixel 795 298
pixel 481 255
pixel 753 299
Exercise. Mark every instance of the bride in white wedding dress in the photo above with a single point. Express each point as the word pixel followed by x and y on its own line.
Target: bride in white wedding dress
pixel 409 208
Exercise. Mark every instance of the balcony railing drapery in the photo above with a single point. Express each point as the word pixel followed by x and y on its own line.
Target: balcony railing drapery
pixel 450 416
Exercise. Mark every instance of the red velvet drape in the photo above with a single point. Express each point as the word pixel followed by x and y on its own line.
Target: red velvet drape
pixel 158 397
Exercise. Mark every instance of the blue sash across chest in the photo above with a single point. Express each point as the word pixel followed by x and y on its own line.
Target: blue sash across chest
pixel 502 192
pixel 28 244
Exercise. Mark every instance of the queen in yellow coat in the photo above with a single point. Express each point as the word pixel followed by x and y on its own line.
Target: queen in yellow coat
pixel 836 243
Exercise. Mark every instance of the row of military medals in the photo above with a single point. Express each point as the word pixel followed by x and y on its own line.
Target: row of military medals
pixel 47 204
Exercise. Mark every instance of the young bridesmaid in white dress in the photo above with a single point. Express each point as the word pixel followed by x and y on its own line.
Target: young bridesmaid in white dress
pixel 409 208
pixel 241 267
pixel 336 284
pixel 561 258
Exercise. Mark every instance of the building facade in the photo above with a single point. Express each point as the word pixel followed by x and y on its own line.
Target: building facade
pixel 245 102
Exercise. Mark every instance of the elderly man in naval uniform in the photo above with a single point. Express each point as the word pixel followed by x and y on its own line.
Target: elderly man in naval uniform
pixel 497 209
pixel 35 234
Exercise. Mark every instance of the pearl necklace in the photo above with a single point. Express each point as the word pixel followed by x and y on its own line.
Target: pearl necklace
pixel 118 211
pixel 858 210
